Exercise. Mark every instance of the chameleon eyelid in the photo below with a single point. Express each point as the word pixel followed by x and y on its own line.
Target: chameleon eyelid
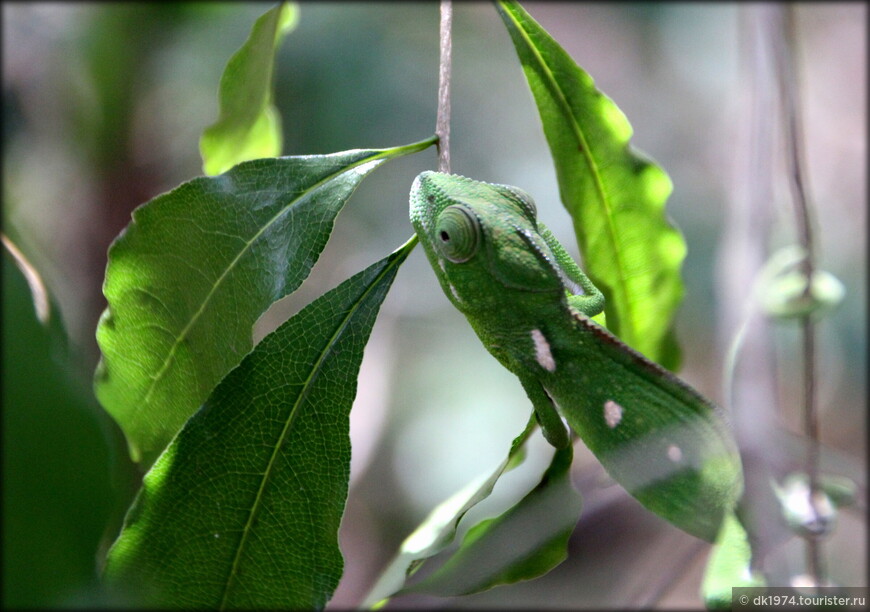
pixel 536 250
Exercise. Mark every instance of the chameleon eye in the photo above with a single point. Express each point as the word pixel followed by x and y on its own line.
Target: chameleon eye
pixel 457 234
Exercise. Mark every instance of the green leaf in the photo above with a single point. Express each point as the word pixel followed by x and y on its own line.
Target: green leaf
pixel 525 542
pixel 242 509
pixel 615 195
pixel 196 267
pixel 57 487
pixel 439 528
pixel 729 565
pixel 249 126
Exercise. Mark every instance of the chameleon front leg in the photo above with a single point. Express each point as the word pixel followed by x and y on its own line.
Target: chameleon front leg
pixel 592 301
pixel 545 411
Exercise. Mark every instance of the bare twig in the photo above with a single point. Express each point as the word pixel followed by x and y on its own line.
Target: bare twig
pixel 442 123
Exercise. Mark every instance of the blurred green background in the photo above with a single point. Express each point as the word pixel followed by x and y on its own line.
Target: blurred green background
pixel 103 106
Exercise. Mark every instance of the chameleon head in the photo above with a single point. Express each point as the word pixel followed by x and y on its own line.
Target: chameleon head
pixel 481 238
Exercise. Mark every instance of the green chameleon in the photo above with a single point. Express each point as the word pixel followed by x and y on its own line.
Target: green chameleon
pixel 516 284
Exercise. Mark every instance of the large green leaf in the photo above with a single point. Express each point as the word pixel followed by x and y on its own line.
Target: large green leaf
pixel 525 542
pixel 242 509
pixel 249 126
pixel 615 195
pixel 194 270
pixel 439 528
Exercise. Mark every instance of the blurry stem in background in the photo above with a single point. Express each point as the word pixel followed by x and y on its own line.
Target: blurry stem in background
pixel 785 52
pixel 38 292
pixel 442 123
pixel 750 390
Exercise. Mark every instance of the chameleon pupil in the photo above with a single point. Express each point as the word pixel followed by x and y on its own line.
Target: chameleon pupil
pixel 458 234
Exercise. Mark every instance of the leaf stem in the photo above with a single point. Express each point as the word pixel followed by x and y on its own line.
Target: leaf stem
pixel 442 122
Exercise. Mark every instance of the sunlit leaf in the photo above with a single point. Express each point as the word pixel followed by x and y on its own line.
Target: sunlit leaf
pixel 525 542
pixel 615 195
pixel 249 126
pixel 242 509
pixel 195 269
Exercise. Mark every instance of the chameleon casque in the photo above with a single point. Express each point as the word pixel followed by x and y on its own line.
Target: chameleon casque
pixel 517 285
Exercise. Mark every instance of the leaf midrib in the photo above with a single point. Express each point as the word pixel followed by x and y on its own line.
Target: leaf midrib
pixel 156 378
pixel 587 156
pixel 303 394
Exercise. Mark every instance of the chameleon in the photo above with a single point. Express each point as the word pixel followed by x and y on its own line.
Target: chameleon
pixel 531 305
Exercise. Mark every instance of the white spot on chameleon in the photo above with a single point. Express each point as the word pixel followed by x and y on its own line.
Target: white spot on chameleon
pixel 453 291
pixel 612 413
pixel 542 351
pixel 674 453
pixel 442 265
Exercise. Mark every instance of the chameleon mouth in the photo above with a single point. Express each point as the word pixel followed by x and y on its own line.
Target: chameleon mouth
pixel 419 205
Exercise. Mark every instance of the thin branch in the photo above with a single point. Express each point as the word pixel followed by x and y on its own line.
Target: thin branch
pixel 442 123
pixel 786 51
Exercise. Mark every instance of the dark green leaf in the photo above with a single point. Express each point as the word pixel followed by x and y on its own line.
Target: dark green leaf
pixel 615 195
pixel 57 492
pixel 194 270
pixel 439 528
pixel 242 509
pixel 249 126
pixel 525 542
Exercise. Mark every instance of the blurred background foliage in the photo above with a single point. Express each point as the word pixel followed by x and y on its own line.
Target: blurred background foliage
pixel 103 106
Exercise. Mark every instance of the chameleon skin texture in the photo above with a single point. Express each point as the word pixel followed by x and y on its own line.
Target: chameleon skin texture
pixel 662 441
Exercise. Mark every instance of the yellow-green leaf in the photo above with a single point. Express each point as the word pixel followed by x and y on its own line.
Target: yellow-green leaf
pixel 249 126
pixel 615 195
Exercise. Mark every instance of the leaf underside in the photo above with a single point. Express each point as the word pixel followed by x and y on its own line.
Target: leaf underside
pixel 242 510
pixel 193 271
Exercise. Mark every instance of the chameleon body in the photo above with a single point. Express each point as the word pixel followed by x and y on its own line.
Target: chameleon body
pixel 518 287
